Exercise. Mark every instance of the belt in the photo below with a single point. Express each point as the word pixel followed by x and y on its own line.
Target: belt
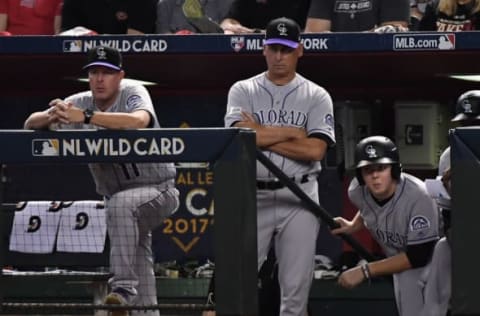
pixel 277 184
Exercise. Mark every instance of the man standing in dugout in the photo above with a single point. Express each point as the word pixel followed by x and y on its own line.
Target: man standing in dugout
pixel 293 121
pixel 138 196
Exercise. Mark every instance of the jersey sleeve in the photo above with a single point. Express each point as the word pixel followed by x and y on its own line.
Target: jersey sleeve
pixel 321 10
pixel 423 221
pixel 236 104
pixel 138 98
pixel 164 12
pixel 321 119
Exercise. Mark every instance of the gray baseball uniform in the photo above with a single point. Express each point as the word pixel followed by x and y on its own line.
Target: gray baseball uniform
pixel 410 217
pixel 303 104
pixel 437 282
pixel 139 196
pixel 437 278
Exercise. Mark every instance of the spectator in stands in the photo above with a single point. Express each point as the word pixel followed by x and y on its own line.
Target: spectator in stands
pixel 191 16
pixel 110 17
pixel 138 196
pixel 252 16
pixel 417 10
pixel 451 16
pixel 30 17
pixel 358 16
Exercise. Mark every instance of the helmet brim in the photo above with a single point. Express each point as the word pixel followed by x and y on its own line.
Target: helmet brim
pixel 379 161
pixel 464 117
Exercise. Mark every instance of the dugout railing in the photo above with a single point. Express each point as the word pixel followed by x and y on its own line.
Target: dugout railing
pixel 230 152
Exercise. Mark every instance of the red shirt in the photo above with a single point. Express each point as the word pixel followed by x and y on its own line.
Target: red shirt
pixel 30 17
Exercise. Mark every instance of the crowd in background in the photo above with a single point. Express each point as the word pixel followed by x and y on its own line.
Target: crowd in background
pixel 81 17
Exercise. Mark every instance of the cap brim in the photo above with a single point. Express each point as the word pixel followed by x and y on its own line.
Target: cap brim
pixel 281 41
pixel 99 63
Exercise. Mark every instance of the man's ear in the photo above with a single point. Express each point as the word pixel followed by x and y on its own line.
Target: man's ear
pixel 300 50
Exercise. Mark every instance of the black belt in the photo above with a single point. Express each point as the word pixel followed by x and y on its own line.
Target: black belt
pixel 276 184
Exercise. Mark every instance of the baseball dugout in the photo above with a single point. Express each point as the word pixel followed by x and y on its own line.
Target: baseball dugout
pixel 230 152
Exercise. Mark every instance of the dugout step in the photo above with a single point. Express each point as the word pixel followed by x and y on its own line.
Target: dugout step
pixel 326 297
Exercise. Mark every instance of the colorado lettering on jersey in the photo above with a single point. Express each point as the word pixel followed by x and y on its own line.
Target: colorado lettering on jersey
pixel 278 116
pixel 391 239
pixel 122 147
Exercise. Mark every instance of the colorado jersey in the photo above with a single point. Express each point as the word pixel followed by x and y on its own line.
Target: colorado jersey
pixel 300 103
pixel 409 218
pixel 113 177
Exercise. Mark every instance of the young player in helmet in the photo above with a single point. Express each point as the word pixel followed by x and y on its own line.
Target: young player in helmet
pixel 397 210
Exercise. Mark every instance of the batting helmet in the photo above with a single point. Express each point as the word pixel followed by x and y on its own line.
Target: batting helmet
pixel 468 106
pixel 376 150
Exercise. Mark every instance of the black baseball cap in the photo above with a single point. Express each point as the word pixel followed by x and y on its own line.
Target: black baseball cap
pixel 283 31
pixel 104 56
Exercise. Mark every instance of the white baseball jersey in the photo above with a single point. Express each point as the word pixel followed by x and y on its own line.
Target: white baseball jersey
pixel 113 177
pixel 301 103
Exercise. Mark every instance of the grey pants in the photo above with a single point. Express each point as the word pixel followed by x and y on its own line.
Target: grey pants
pixel 281 216
pixel 131 216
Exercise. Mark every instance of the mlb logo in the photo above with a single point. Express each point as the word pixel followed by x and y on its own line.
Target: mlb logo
pixel 72 46
pixel 446 42
pixel 237 43
pixel 45 147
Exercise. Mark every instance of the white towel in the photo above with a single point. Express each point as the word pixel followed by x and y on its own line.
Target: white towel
pixel 34 228
pixel 83 228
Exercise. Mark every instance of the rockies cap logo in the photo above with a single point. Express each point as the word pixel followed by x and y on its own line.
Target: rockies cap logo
pixel 467 106
pixel 101 53
pixel 282 29
pixel 371 151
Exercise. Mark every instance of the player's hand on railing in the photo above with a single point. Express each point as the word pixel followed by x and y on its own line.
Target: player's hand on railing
pixel 65 112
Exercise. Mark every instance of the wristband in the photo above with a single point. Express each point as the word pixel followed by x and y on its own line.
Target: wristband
pixel 366 271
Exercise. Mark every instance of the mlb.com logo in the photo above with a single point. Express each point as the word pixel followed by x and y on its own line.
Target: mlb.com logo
pixel 435 41
pixel 45 147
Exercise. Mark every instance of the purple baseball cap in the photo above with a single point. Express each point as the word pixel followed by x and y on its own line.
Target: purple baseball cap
pixel 283 31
